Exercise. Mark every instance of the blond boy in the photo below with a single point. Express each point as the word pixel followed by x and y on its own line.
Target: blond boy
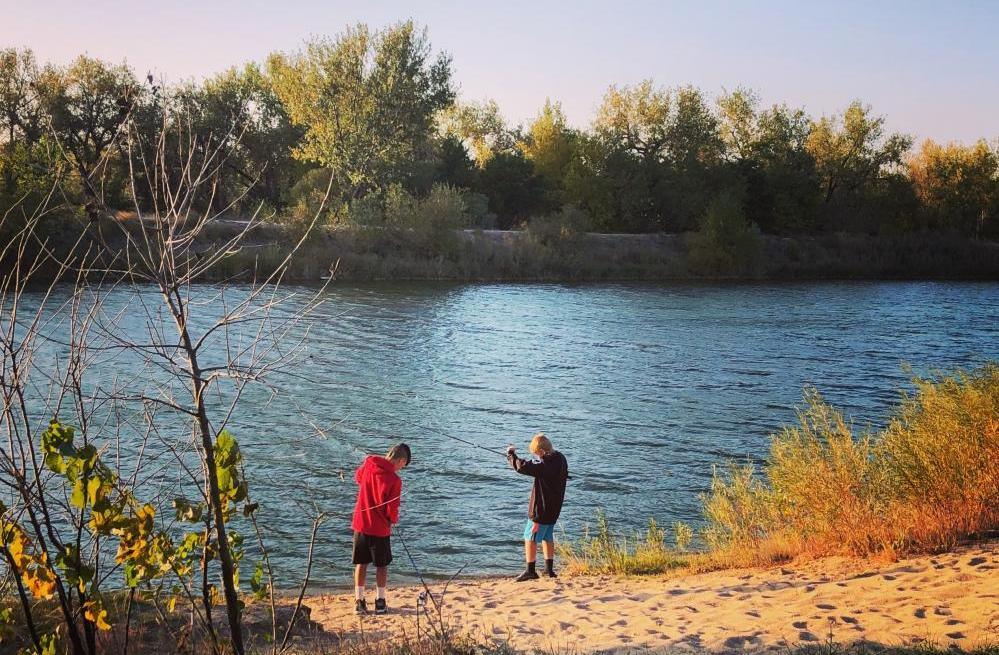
pixel 547 494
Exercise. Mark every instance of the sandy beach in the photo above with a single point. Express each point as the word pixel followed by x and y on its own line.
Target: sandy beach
pixel 950 599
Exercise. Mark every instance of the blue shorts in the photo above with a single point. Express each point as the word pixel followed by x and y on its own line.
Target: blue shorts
pixel 538 532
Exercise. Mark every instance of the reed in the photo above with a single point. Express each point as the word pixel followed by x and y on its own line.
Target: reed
pixel 927 481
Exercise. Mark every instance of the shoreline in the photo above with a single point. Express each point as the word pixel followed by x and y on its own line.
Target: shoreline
pixel 950 600
pixel 373 254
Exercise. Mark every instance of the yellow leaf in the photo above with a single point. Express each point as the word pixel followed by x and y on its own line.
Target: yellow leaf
pixel 93 612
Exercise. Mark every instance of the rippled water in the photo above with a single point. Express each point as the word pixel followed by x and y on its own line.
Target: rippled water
pixel 643 388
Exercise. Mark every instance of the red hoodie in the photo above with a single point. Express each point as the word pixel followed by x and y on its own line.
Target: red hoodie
pixel 379 489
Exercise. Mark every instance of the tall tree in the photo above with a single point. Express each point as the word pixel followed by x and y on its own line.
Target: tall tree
pixel 766 148
pixel 852 150
pixel 958 186
pixel 87 104
pixel 480 127
pixel 548 142
pixel 366 100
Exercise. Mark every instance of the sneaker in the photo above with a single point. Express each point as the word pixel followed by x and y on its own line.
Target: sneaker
pixel 550 574
pixel 380 607
pixel 360 607
pixel 527 575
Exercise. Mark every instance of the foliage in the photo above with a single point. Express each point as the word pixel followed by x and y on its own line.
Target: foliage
pixel 958 186
pixel 929 479
pixel 851 152
pixel 601 551
pixel 479 127
pixel 374 109
pixel 366 100
pixel 726 243
pixel 514 191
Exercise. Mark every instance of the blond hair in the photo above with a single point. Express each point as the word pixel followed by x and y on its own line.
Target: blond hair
pixel 541 445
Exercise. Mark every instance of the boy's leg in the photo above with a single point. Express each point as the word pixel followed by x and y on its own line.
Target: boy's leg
pixel 383 557
pixel 530 551
pixel 360 576
pixel 548 546
pixel 381 579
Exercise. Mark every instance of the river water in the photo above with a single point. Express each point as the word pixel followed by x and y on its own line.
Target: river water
pixel 643 387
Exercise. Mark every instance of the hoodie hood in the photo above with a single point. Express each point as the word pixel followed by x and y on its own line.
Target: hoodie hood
pixel 378 465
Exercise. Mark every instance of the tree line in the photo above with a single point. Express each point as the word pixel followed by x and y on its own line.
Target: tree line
pixel 369 124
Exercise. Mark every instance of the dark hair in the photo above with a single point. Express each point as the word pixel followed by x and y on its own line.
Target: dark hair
pixel 399 451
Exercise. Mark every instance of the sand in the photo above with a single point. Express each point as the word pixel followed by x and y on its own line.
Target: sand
pixel 950 599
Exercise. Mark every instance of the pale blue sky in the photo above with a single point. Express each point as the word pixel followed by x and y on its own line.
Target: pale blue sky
pixel 931 67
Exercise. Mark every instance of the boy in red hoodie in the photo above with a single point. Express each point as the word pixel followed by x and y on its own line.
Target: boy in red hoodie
pixel 376 509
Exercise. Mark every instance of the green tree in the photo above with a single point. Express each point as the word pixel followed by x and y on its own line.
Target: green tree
pixel 366 100
pixel 958 186
pixel 480 127
pixel 852 150
pixel 454 166
pixel 549 143
pixel 726 243
pixel 20 114
pixel 515 193
pixel 766 149
pixel 87 104
pixel 238 112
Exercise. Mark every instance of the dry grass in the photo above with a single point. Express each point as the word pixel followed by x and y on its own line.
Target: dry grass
pixel 926 482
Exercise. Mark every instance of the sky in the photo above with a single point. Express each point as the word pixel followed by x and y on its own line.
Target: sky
pixel 931 68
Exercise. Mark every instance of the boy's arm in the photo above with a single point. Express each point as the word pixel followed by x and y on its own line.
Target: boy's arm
pixel 523 466
pixel 394 500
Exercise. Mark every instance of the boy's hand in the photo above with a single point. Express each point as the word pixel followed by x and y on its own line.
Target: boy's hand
pixel 510 450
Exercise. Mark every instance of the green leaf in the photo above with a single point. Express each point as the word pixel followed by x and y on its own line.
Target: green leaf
pixel 78 498
pixel 187 511
pixel 93 489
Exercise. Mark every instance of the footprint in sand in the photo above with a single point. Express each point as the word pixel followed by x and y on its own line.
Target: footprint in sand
pixel 942 610
pixel 975 561
pixel 955 635
pixel 954 622
pixel 739 642
pixel 825 606
pixel 490 605
pixel 848 619
pixel 800 625
pixel 753 613
pixel 804 635
pixel 920 613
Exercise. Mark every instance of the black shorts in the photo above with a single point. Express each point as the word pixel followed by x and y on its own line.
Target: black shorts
pixel 368 549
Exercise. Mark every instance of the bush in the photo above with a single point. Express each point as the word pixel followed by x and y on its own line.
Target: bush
pixel 603 552
pixel 726 244
pixel 930 479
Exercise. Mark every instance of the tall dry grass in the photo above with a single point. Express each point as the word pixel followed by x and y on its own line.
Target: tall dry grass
pixel 927 481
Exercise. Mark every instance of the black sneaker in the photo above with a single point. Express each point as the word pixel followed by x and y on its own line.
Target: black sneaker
pixel 550 574
pixel 380 607
pixel 527 575
pixel 360 607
